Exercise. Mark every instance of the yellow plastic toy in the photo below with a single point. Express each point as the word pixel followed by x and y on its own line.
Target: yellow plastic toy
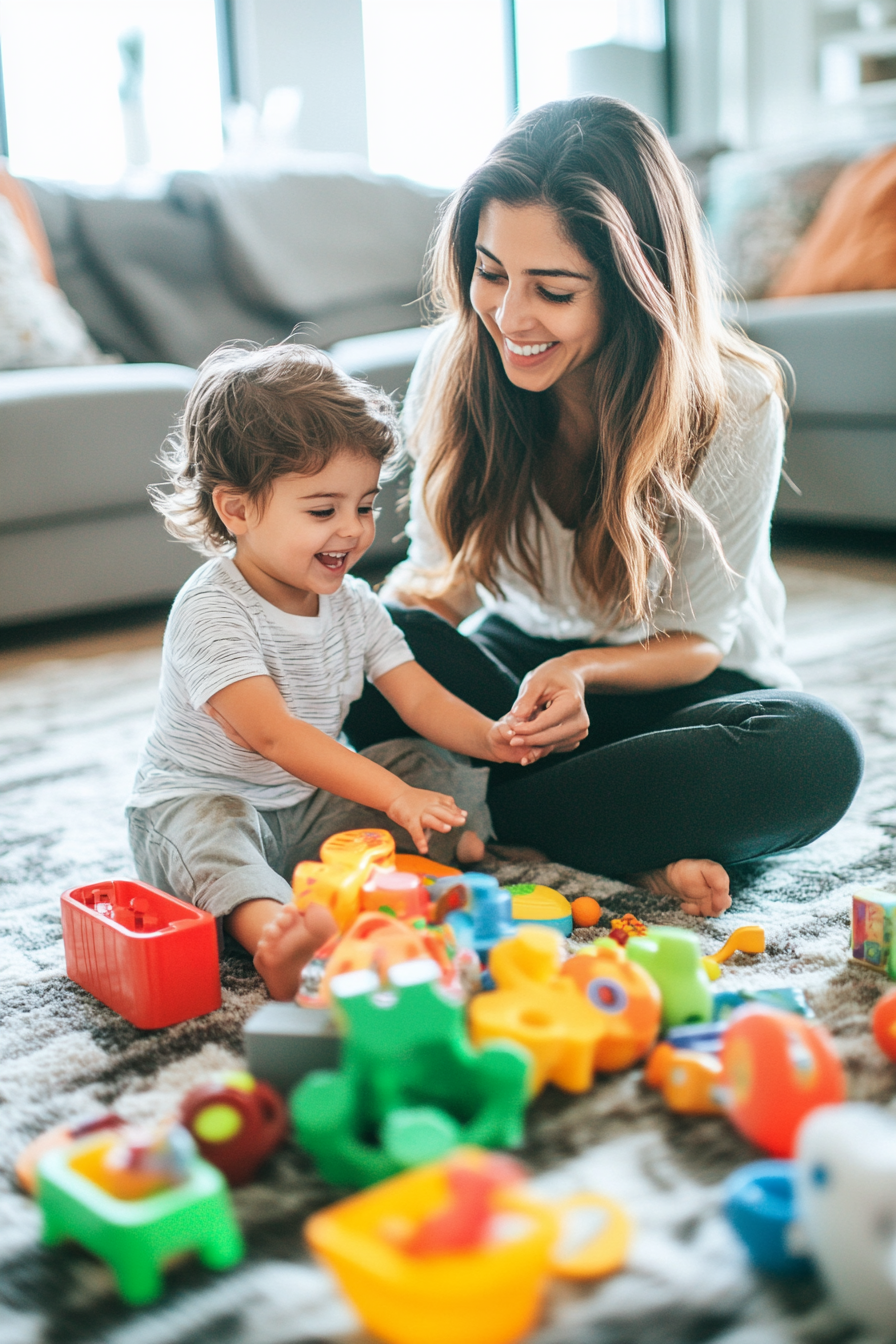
pixel 748 938
pixel 602 1014
pixel 346 860
pixel 536 1008
pixel 626 996
pixel 541 905
pixel 426 1258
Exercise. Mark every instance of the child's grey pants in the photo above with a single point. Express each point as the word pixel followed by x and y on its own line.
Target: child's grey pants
pixel 219 851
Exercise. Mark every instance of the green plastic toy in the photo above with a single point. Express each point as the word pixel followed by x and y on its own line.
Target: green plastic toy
pixel 672 957
pixel 410 1085
pixel 136 1237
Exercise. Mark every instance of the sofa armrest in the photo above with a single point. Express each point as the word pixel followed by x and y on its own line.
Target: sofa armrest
pixel 841 347
pixel 386 360
pixel 77 440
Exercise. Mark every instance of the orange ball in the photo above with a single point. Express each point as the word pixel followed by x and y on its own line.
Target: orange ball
pixel 883 1023
pixel 585 912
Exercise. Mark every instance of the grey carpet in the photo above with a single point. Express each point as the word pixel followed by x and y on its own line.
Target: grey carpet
pixel 70 731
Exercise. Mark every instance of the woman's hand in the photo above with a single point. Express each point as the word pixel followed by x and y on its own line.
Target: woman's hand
pixel 498 746
pixel 420 810
pixel 549 711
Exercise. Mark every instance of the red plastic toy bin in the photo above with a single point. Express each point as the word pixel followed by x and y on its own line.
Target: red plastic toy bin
pixel 143 953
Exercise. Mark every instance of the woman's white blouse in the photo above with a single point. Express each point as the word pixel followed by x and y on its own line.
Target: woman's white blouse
pixel 742 612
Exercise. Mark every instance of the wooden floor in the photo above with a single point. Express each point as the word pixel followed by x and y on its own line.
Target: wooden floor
pixel 872 558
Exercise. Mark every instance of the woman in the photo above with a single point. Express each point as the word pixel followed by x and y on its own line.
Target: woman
pixel 597 462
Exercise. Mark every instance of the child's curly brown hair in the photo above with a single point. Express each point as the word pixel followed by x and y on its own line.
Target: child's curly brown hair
pixel 256 413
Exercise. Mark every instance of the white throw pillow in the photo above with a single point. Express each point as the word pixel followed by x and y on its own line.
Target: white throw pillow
pixel 38 326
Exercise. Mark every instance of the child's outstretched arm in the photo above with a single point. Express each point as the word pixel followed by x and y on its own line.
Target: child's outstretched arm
pixel 436 714
pixel 253 714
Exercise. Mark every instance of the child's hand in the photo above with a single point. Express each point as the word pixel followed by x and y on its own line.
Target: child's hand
pixel 419 810
pixel 499 748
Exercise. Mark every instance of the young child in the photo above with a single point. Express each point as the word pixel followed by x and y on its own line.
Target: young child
pixel 275 470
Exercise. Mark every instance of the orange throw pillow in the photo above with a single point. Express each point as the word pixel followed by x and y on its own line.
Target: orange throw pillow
pixel 22 202
pixel 851 243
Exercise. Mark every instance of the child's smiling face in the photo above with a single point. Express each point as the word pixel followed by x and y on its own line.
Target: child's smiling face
pixel 304 537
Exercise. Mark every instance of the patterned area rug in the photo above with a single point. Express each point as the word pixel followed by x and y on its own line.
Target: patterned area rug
pixel 70 732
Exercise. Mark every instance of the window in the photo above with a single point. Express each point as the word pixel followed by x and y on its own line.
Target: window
pixel 95 88
pixel 439 77
pixel 436 86
pixel 547 33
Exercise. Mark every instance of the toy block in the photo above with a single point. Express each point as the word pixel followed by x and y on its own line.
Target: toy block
pixel 871 929
pixel 144 954
pixel 138 1236
pixel 484 920
pixel 284 1042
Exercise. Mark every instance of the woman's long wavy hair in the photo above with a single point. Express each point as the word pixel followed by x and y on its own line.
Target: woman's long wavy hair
pixel 625 202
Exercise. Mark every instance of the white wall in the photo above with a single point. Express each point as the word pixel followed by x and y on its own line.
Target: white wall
pixel 746 72
pixel 317 45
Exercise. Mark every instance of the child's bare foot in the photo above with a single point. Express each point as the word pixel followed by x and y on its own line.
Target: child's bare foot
pixel 287 943
pixel 701 885
pixel 517 854
pixel 470 848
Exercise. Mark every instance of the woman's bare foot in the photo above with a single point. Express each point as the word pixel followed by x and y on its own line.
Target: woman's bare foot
pixel 470 848
pixel 287 943
pixel 701 885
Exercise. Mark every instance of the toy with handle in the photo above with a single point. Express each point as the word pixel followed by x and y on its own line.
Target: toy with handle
pixel 409 1286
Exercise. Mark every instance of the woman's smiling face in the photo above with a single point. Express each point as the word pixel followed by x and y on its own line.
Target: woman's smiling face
pixel 536 294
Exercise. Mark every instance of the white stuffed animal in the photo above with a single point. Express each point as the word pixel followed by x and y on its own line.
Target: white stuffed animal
pixel 846 1205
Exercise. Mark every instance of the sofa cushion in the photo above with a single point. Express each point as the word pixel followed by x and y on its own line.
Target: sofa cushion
pixel 28 215
pixel 83 441
pixel 86 290
pixel 37 325
pixel 163 266
pixel 841 347
pixel 312 242
pixel 851 243
pixel 760 203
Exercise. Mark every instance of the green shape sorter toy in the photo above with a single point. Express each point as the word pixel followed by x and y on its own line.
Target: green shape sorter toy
pixel 410 1086
pixel 136 1237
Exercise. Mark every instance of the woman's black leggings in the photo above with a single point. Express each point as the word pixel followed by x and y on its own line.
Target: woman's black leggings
pixel 724 769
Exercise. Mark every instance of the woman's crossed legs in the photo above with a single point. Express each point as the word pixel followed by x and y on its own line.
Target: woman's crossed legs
pixel 723 769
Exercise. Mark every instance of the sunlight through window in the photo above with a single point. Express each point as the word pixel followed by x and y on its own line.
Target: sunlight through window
pixel 98 88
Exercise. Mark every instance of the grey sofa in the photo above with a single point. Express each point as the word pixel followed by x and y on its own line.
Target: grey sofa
pixel 841 443
pixel 160 282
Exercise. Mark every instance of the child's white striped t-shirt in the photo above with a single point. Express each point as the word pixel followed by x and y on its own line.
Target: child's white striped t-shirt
pixel 221 631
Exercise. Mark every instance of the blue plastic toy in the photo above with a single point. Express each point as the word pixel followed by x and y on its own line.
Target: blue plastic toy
pixel 488 915
pixel 786 997
pixel 706 1037
pixel 759 1203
